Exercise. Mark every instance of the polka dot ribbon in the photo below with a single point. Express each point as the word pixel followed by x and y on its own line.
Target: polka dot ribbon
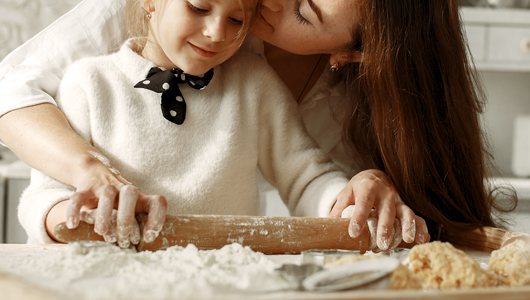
pixel 166 82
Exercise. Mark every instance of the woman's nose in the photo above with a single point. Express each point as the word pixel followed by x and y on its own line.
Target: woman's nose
pixel 273 5
pixel 215 30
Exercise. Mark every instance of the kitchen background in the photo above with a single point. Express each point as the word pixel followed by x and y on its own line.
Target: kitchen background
pixel 499 38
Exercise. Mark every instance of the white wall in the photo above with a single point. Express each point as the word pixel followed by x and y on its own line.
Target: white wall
pixel 22 19
pixel 508 96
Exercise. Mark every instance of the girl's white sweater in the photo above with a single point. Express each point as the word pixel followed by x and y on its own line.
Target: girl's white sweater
pixel 245 118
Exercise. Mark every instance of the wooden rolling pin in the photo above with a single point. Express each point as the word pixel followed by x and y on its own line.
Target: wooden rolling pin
pixel 486 239
pixel 269 235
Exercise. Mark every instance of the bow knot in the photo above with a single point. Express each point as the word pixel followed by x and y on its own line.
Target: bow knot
pixel 166 82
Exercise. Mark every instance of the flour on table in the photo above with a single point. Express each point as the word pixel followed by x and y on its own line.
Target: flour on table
pixel 96 270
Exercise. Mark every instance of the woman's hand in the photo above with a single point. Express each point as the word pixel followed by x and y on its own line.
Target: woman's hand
pixel 371 189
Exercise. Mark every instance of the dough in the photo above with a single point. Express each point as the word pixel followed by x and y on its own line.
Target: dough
pixel 401 279
pixel 442 266
pixel 512 263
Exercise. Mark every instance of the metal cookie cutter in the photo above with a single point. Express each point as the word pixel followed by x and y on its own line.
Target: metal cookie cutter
pixel 294 274
pixel 399 253
pixel 322 257
pixel 365 274
pixel 313 261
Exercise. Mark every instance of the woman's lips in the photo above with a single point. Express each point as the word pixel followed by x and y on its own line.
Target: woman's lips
pixel 202 52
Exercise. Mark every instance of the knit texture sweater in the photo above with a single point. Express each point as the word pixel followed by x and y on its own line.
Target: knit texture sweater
pixel 244 119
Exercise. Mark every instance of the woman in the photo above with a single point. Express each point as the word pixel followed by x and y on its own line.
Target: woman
pixel 411 110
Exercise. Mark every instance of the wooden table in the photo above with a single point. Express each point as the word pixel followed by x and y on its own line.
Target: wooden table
pixel 14 287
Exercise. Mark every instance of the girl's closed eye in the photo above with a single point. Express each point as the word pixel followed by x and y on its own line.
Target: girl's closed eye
pixel 196 9
pixel 298 14
pixel 236 21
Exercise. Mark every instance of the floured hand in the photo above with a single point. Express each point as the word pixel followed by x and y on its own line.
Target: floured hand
pixel 372 189
pixel 102 188
pixel 112 235
pixel 398 232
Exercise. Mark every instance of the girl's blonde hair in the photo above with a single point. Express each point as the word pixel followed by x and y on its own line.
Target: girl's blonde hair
pixel 138 23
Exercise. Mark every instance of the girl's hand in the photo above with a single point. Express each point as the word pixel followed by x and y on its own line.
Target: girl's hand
pixel 113 199
pixel 371 189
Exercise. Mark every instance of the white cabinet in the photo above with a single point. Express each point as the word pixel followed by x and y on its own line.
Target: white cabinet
pixel 476 36
pixel 14 178
pixel 499 39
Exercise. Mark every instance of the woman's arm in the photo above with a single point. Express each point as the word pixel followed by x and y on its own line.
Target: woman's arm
pixel 41 136
pixel 369 189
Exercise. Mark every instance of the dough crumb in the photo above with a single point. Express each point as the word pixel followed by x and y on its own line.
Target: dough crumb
pixel 442 266
pixel 401 279
pixel 512 263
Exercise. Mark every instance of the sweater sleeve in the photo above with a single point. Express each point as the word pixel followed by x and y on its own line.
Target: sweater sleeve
pixel 306 177
pixel 44 192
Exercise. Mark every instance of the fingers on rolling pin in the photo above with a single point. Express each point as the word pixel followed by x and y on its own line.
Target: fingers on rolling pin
pixel 73 211
pixel 155 218
pixel 126 209
pixel 106 200
pixel 373 224
pixel 408 221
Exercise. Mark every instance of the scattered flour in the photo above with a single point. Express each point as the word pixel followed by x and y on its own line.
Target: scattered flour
pixel 97 270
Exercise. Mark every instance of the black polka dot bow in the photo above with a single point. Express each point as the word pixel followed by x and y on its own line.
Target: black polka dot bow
pixel 166 82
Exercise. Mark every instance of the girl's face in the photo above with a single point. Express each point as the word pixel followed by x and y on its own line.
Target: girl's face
pixel 307 26
pixel 192 35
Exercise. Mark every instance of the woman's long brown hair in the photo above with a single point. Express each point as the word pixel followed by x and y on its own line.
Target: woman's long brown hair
pixel 415 110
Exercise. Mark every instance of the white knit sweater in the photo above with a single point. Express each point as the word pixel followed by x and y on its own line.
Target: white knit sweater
pixel 244 118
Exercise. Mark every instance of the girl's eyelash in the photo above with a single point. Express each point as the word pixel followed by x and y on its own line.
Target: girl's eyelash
pixel 298 14
pixel 196 9
pixel 203 11
pixel 236 21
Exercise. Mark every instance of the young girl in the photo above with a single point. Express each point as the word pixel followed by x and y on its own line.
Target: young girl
pixel 180 115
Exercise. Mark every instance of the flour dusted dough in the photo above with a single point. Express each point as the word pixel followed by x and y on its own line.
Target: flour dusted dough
pixel 512 263
pixel 401 279
pixel 442 266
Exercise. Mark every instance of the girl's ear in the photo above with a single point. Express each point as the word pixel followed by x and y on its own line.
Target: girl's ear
pixel 344 58
pixel 149 6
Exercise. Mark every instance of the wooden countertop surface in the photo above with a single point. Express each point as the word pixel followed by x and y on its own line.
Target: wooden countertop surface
pixel 14 287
